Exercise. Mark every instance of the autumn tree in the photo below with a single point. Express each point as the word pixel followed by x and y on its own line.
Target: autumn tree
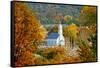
pixel 86 52
pixel 28 34
pixel 71 31
pixel 55 28
pixel 67 18
pixel 88 17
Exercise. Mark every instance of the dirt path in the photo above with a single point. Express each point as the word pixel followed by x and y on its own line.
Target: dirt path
pixel 72 52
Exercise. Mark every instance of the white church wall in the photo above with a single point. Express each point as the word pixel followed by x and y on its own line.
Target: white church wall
pixel 61 38
pixel 58 41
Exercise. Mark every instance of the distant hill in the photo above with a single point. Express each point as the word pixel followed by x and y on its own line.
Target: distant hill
pixel 47 12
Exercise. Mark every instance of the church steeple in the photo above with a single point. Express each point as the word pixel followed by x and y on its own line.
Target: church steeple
pixel 60 29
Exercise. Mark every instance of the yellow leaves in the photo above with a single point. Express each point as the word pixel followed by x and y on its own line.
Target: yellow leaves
pixel 52 55
pixel 28 34
pixel 88 15
pixel 67 18
pixel 26 24
pixel 42 32
pixel 87 9
pixel 71 30
pixel 72 27
pixel 55 55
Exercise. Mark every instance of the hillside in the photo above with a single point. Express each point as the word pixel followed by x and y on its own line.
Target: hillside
pixel 47 12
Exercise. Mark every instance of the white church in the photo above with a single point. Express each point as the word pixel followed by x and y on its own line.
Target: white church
pixel 56 38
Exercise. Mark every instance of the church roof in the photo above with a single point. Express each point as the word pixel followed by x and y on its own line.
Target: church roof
pixel 53 36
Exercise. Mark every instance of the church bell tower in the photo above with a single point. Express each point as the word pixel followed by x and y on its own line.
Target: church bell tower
pixel 60 29
pixel 61 37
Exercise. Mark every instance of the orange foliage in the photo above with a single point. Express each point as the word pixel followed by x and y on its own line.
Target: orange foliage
pixel 28 34
pixel 88 9
pixel 88 16
pixel 56 55
pixel 71 30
